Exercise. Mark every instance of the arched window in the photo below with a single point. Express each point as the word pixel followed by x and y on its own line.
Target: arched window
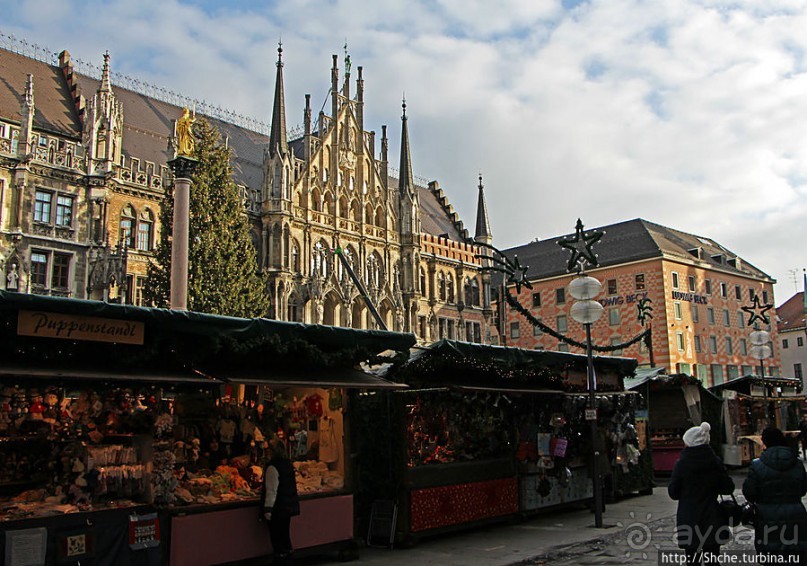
pixel 379 217
pixel 472 292
pixel 368 214
pixel 343 207
pixel 423 287
pixel 375 271
pixel 441 286
pixel 295 257
pixel 127 221
pixel 319 260
pixel 145 231
pixel 450 288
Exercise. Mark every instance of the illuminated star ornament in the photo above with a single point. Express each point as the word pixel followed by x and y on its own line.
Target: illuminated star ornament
pixel 516 273
pixel 757 311
pixel 580 245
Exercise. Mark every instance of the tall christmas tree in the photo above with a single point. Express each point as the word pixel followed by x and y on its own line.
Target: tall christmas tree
pixel 223 273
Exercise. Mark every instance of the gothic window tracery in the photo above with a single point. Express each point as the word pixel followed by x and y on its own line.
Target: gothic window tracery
pixel 374 271
pixel 423 286
pixel 450 288
pixel 295 257
pixel 127 222
pixel 441 286
pixel 319 260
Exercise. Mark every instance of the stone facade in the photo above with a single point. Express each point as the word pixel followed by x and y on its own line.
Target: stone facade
pixel 80 200
pixel 697 289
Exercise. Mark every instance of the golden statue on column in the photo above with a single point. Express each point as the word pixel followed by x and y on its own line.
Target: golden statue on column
pixel 185 134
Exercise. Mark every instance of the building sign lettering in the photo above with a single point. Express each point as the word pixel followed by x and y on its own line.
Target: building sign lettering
pixel 689 297
pixel 69 327
pixel 614 301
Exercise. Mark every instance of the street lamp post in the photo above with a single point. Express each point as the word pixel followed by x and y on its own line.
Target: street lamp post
pixel 761 350
pixel 587 311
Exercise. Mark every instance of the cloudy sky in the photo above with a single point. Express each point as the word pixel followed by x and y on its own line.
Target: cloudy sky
pixel 688 113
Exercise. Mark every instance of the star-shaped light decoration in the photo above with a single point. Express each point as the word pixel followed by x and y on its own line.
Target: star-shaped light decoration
pixel 644 310
pixel 580 244
pixel 757 311
pixel 516 273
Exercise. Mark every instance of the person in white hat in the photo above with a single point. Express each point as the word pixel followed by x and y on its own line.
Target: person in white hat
pixel 698 477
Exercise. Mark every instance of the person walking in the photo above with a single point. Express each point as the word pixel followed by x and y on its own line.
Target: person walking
pixel 803 436
pixel 698 477
pixel 776 482
pixel 280 501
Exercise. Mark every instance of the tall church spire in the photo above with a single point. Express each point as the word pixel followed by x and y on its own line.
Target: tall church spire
pixel 406 182
pixel 482 223
pixel 277 135
pixel 106 84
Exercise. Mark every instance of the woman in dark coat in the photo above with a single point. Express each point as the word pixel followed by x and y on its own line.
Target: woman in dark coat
pixel 280 501
pixel 698 477
pixel 776 482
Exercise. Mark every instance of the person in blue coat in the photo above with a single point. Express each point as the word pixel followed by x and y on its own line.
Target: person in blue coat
pixel 698 477
pixel 776 483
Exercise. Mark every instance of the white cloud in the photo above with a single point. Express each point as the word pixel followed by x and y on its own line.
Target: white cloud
pixel 687 113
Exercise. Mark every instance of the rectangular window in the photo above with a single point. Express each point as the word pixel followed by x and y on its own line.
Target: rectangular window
pixel 144 237
pixel 614 342
pixel 738 292
pixel 515 331
pixel 764 297
pixel 743 347
pixel 696 315
pixel 726 318
pixel 563 325
pixel 679 339
pixel 639 279
pixel 708 284
pixel 751 294
pixel 717 374
pixel 64 211
pixel 724 289
pixel 729 347
pixel 43 141
pixel 452 332
pixel 42 205
pixel 536 330
pixel 698 344
pixel 713 344
pixel 785 344
pixel 703 372
pixel 691 280
pixel 536 300
pixel 60 279
pixel 674 280
pixel 732 372
pixel 797 373
pixel 612 290
pixel 39 269
pixel 799 342
pixel 613 317
pixel 683 368
pixel 710 315
pixel 560 295
pixel 748 370
pixel 740 320
pixel 563 347
pixel 677 310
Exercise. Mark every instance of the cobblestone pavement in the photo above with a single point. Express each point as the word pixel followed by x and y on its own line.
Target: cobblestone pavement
pixel 636 543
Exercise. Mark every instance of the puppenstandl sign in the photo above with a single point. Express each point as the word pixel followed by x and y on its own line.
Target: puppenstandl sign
pixel 70 327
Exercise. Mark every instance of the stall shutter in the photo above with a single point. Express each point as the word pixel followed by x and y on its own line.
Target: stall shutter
pixel 382 523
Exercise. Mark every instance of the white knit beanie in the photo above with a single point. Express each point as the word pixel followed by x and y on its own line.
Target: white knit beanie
pixel 697 435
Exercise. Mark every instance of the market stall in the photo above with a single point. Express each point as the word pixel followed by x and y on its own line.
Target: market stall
pixel 156 421
pixel 744 411
pixel 674 404
pixel 485 433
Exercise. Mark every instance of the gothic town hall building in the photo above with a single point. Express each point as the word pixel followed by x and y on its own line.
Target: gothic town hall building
pixel 83 168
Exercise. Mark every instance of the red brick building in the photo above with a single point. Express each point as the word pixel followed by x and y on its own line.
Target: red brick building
pixel 697 288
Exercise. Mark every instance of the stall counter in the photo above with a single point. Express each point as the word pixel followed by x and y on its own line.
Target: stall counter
pixel 215 536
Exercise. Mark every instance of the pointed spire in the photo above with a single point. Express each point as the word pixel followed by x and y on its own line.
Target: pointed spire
pixel 277 134
pixel 106 85
pixel 406 183
pixel 28 97
pixel 482 223
pixel 804 289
